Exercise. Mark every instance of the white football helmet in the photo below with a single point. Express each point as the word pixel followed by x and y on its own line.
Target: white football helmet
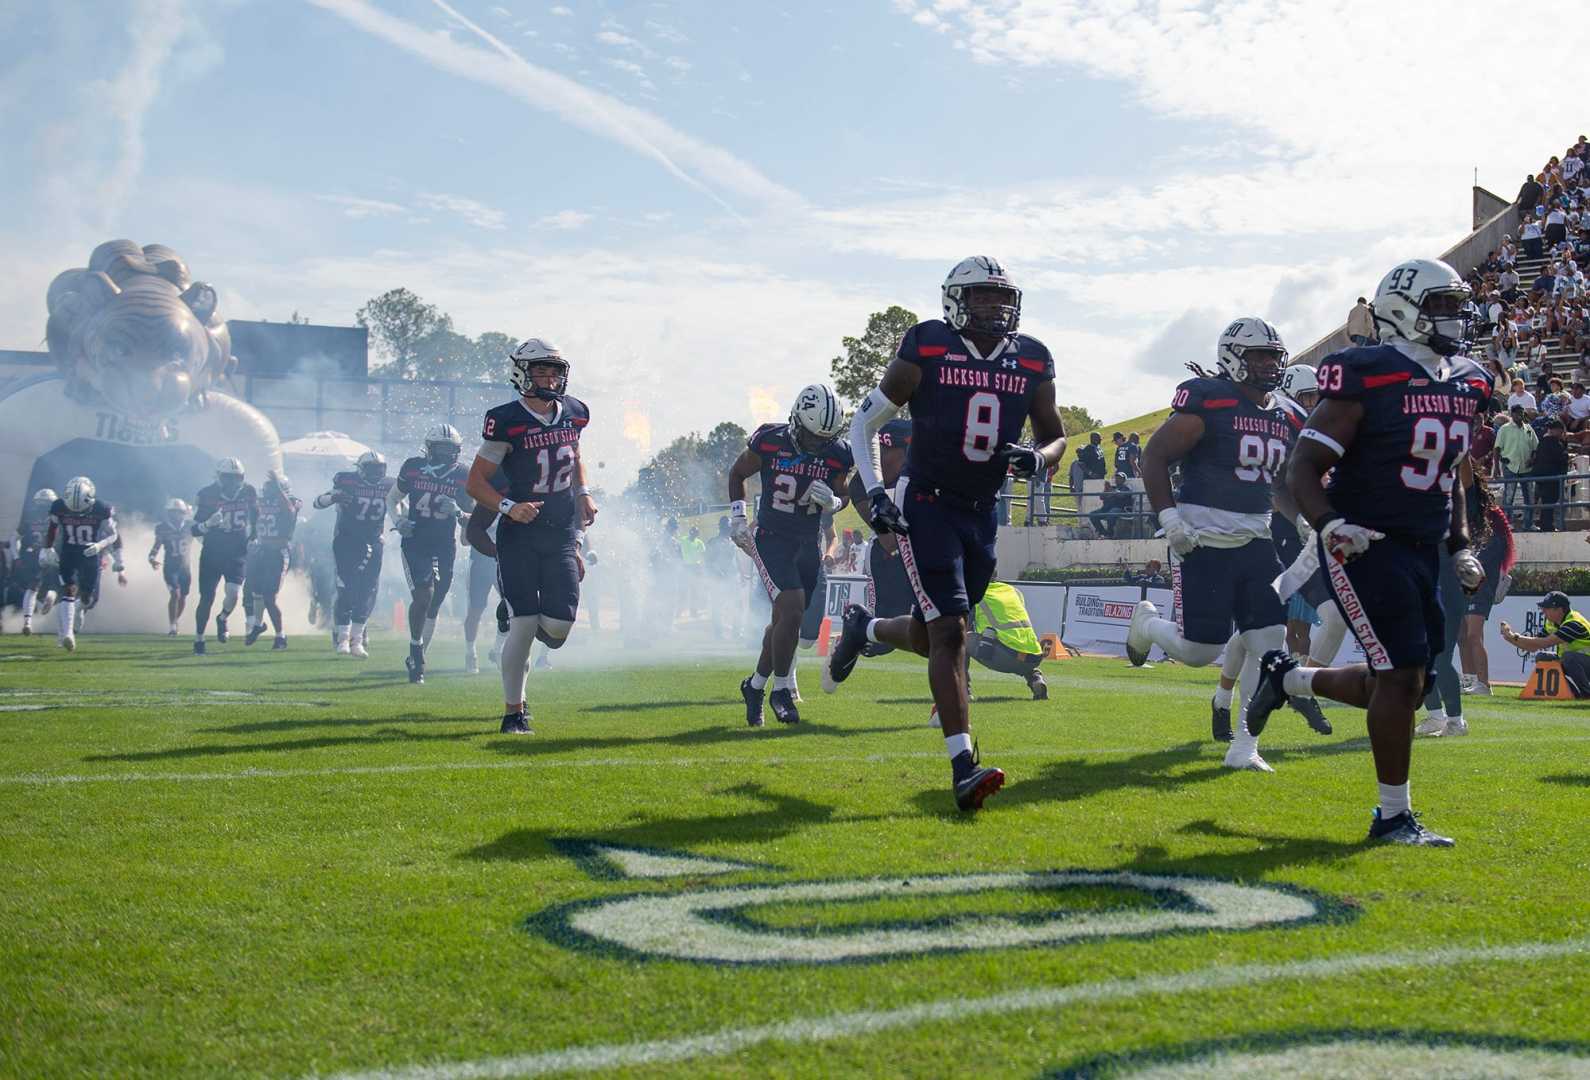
pixel 371 467
pixel 1423 301
pixel 443 444
pixel 176 511
pixel 1299 379
pixel 45 497
pixel 816 418
pixel 997 306
pixel 1250 351
pixel 530 353
pixel 229 474
pixel 79 494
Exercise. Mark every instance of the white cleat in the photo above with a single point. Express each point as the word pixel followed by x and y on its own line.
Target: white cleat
pixel 1456 725
pixel 1434 726
pixel 69 643
pixel 1137 640
pixel 358 651
pixel 1247 763
pixel 343 649
pixel 1479 690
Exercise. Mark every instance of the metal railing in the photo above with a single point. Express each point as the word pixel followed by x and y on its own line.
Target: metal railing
pixel 1564 508
pixel 371 410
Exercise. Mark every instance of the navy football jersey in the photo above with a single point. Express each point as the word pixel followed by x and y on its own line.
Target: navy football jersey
pixel 237 511
pixel 34 531
pixel 424 484
pixel 1396 477
pixel 966 408
pixel 1243 445
pixel 278 518
pixel 362 512
pixel 78 529
pixel 895 435
pixel 173 542
pixel 788 474
pixel 542 457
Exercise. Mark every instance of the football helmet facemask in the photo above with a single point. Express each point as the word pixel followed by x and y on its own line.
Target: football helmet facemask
pixel 816 418
pixel 229 474
pixel 443 444
pixel 1250 351
pixel 980 298
pixel 538 353
pixel 79 494
pixel 1425 302
pixel 371 467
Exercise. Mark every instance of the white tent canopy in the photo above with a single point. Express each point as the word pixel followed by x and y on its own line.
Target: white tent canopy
pixel 323 445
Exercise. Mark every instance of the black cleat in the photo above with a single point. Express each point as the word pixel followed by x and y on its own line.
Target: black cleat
pixel 1405 829
pixel 1219 721
pixel 198 647
pixel 220 629
pixel 279 643
pixel 502 616
pixel 784 710
pixel 753 703
pixel 1311 712
pixel 415 662
pixel 1039 688
pixel 253 634
pixel 516 723
pixel 1270 694
pixel 852 640
pixel 973 781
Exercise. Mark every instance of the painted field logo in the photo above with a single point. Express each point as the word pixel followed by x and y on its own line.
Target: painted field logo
pixel 873 919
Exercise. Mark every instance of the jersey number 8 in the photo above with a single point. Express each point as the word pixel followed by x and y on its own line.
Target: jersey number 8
pixel 982 427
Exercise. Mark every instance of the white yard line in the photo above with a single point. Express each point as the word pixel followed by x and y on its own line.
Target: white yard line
pixel 958 1009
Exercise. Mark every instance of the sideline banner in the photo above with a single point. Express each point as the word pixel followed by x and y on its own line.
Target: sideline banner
pixel 1097 617
pixel 1046 604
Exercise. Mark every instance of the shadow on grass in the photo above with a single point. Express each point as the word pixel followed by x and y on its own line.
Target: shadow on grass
pixel 1274 853
pixel 729 732
pixel 779 816
pixel 1570 779
pixel 645 706
pixel 976 701
pixel 384 735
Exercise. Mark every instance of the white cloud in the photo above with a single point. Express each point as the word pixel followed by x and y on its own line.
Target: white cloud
pixel 561 11
pixel 564 219
pixel 665 33
pixel 474 212
pixel 629 67
pixel 358 208
pixel 699 164
pixel 502 12
pixel 679 64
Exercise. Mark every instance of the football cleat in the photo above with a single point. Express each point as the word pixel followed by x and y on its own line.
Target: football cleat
pixel 69 643
pixel 357 650
pixel 169 633
pixel 852 639
pixel 1479 689
pixel 1311 712
pixel 1251 762
pixel 1434 726
pixel 1456 725
pixel 280 642
pixel 343 648
pixel 1405 829
pixel 1270 694
pixel 471 661
pixel 198 647
pixel 1219 721
pixel 516 723
pixel 974 782
pixel 415 662
pixel 220 629
pixel 784 710
pixel 753 703
pixel 27 629
pixel 1137 640
pixel 254 633
pixel 1039 688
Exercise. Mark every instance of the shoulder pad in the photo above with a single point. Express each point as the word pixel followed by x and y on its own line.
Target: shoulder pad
pixel 578 410
pixel 1033 356
pixel 928 340
pixel 768 438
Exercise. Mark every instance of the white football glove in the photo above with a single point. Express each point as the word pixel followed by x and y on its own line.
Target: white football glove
pixel 404 527
pixel 93 550
pixel 1181 537
pixel 49 559
pixel 1470 574
pixel 445 507
pixel 1345 541
pixel 740 534
pixel 820 494
pixel 214 519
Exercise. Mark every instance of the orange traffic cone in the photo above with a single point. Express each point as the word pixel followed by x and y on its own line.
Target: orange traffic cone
pixel 822 637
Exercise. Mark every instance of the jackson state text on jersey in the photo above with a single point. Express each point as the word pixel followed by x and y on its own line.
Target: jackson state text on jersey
pixel 363 511
pixel 1396 476
pixel 78 529
pixel 542 456
pixel 788 474
pixel 1243 445
pixel 237 515
pixel 424 485
pixel 966 408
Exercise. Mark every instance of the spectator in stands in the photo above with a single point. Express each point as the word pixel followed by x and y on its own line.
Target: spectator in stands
pixel 1482 450
pixel 1544 285
pixel 1151 577
pixel 1040 490
pixel 1532 237
pixel 1134 446
pixel 1578 410
pixel 1556 226
pixel 1515 446
pixel 1522 399
pixel 1123 456
pixel 1507 254
pixel 1361 323
pixel 1543 381
pixel 1507 282
pixel 1528 196
pixel 1552 406
pixel 1550 465
pixel 1077 474
pixel 1113 516
pixel 1092 457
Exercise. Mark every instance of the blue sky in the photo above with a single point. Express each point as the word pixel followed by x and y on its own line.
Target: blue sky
pixel 696 200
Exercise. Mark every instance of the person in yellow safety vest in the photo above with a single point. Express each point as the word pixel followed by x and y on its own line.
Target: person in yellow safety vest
pixel 1568 632
pixel 1003 638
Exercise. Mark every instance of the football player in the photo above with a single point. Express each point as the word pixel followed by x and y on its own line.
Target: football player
pixel 888 589
pixel 1393 422
pixel 361 497
pixel 801 463
pixel 86 528
pixel 224 515
pixel 535 441
pixel 483 580
pixel 268 555
pixel 169 554
pixel 29 572
pixel 972 382
pixel 433 486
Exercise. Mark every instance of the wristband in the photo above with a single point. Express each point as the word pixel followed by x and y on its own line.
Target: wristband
pixel 737 508
pixel 504 506
pixel 581 490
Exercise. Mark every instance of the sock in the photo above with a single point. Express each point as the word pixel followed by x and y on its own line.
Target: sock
pixel 1236 656
pixel 1222 697
pixel 956 745
pixel 66 618
pixel 28 596
pixel 1435 714
pixel 416 643
pixel 516 656
pixel 1393 800
pixel 357 634
pixel 758 680
pixel 782 682
pixel 1167 635
pixel 872 631
pixel 341 634
pixel 793 685
pixel 1299 682
pixel 1243 745
pixel 430 629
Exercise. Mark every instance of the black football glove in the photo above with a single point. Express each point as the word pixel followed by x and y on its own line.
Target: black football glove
pixel 886 516
pixel 1022 460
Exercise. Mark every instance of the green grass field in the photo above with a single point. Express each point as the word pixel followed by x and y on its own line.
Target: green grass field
pixel 260 864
